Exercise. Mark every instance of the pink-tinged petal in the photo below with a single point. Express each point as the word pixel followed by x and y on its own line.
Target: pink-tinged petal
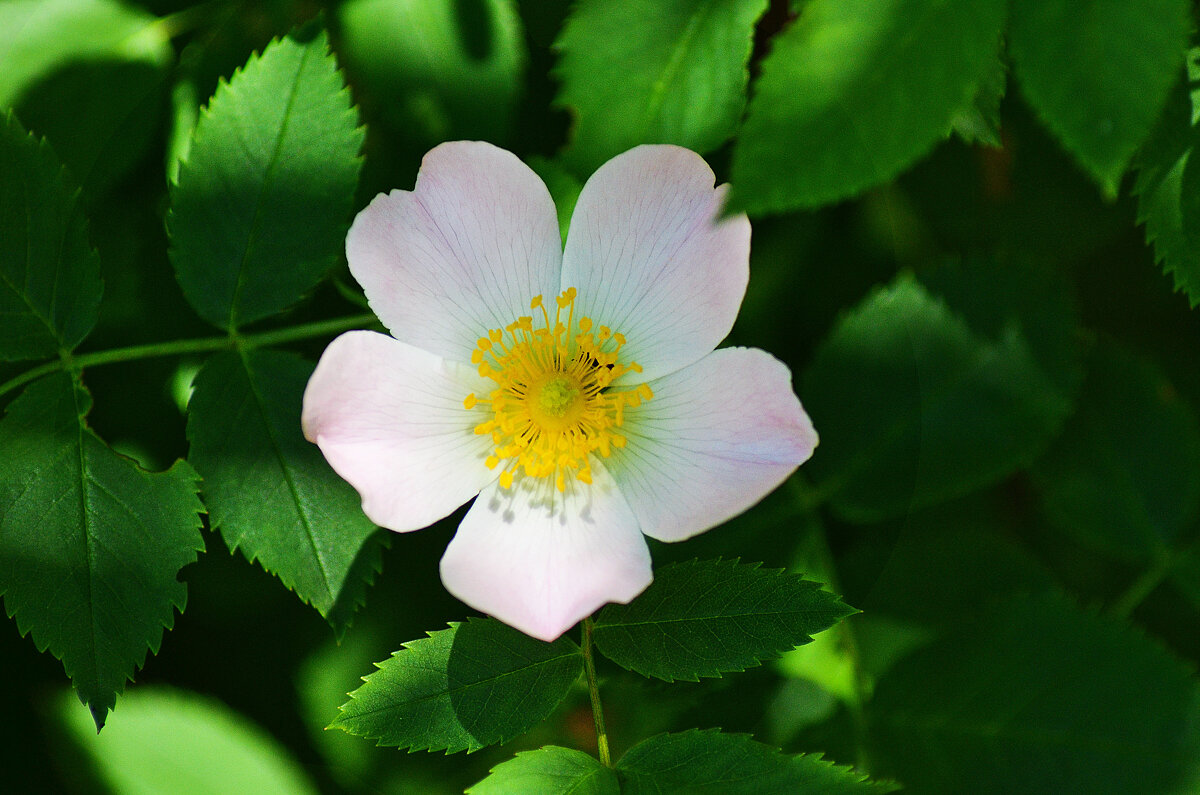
pixel 390 420
pixel 540 561
pixel 716 438
pixel 651 260
pixel 462 253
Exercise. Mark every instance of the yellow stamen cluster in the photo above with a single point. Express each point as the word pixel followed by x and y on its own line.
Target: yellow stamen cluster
pixel 552 406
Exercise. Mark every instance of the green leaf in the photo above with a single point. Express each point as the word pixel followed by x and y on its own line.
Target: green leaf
pixel 1159 187
pixel 435 70
pixel 854 92
pixel 49 275
pixel 950 407
pixel 1124 476
pixel 563 186
pixel 263 200
pixel 1098 73
pixel 705 618
pixel 707 761
pixel 1037 696
pixel 168 740
pixel 38 37
pixel 90 544
pixel 653 71
pixel 269 491
pixel 464 688
pixel 550 771
pixel 979 122
pixel 88 75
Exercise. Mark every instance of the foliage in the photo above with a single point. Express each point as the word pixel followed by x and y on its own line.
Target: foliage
pixel 945 200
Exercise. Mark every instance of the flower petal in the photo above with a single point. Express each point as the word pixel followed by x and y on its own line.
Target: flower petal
pixel 716 438
pixel 648 260
pixel 540 561
pixel 390 420
pixel 462 253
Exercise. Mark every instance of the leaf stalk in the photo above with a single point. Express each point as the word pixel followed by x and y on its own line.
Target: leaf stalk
pixel 589 666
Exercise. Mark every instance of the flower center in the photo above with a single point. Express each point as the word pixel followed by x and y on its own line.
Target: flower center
pixel 553 405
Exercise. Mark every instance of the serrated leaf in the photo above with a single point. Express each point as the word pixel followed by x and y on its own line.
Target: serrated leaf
pixel 476 684
pixel 169 740
pixel 854 92
pixel 1037 696
pixel 263 200
pixel 951 407
pixel 708 761
pixel 268 490
pixel 1124 475
pixel 979 122
pixel 436 70
pixel 90 544
pixel 1098 73
pixel 1159 187
pixel 49 274
pixel 550 771
pixel 705 618
pixel 653 71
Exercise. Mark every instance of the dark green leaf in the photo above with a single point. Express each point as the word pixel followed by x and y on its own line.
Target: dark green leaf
pixel 269 491
pixel 175 741
pixel 1124 476
pixel 979 122
pixel 708 761
pixel 550 771
pixel 1040 697
pixel 705 618
pixel 855 91
pixel 49 275
pixel 90 544
pixel 434 70
pixel 1099 72
pixel 463 688
pixel 261 206
pixel 1159 188
pixel 653 71
pixel 916 406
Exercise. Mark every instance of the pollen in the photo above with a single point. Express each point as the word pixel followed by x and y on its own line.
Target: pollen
pixel 554 404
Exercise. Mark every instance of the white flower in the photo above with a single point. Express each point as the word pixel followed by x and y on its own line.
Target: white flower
pixel 576 391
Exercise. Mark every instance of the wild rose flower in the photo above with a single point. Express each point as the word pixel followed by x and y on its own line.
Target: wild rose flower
pixel 577 392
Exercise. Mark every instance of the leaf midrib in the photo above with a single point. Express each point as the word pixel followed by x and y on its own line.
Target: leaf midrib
pixel 264 189
pixel 287 473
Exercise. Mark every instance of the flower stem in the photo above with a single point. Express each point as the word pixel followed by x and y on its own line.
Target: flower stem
pixel 589 665
pixel 177 347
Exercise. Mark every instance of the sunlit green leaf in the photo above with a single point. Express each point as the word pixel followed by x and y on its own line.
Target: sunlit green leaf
pixel 705 618
pixel 550 771
pixel 262 202
pixel 436 69
pixel 653 71
pixel 1040 697
pixel 1098 72
pixel 855 91
pixel 1159 187
pixel 1124 475
pixel 166 740
pixel 732 764
pixel 916 406
pixel 49 275
pixel 40 36
pixel 269 491
pixel 473 685
pixel 90 544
